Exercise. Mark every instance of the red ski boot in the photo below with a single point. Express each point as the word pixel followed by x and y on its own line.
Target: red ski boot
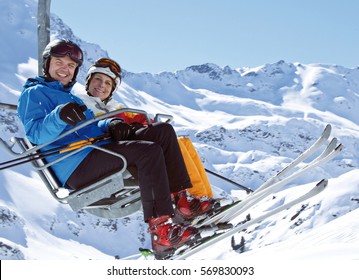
pixel 167 236
pixel 189 207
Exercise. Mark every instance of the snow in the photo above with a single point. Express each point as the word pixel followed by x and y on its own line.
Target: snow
pixel 246 124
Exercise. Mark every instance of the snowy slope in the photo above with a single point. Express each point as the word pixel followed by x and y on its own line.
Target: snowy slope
pixel 246 123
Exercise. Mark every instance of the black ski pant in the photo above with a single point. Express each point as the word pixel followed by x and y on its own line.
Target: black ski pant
pixel 155 154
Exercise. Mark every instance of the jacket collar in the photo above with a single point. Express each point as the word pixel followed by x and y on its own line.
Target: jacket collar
pixel 48 83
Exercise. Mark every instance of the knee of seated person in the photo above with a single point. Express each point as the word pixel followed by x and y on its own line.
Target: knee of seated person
pixel 154 149
pixel 168 128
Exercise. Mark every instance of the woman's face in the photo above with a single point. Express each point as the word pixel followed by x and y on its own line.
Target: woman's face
pixel 100 86
pixel 62 69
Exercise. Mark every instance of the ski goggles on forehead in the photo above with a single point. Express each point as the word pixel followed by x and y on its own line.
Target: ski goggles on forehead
pixel 113 65
pixel 72 51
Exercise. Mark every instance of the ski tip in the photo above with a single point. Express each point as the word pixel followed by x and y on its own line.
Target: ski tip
pixel 320 186
pixel 323 182
pixel 339 148
pixel 328 128
pixel 333 142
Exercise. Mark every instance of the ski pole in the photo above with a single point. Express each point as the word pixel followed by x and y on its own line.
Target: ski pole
pixel 53 151
pixel 248 190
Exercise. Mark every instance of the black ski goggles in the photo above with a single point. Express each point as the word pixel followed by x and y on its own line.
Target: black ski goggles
pixel 73 51
pixel 113 65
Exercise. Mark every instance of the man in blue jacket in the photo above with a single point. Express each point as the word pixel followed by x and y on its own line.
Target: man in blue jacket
pixel 47 109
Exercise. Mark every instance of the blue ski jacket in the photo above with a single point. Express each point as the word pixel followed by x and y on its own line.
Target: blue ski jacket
pixel 38 108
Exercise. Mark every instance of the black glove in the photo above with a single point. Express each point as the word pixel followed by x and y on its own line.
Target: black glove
pixel 72 113
pixel 120 130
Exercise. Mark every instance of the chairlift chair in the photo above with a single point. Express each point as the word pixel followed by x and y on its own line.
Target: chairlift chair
pixel 115 196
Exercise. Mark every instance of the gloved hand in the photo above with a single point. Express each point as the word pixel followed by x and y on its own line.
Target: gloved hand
pixel 119 130
pixel 72 113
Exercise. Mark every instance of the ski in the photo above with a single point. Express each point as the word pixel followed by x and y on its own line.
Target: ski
pixel 183 253
pixel 329 153
pixel 303 156
pixel 198 221
pixel 308 152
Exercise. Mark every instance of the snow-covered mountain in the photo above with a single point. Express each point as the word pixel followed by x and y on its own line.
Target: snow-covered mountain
pixel 246 124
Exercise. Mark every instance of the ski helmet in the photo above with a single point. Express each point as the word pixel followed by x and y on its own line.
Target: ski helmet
pixel 61 48
pixel 108 67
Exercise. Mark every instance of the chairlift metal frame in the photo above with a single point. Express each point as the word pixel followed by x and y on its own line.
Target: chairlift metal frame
pixel 115 196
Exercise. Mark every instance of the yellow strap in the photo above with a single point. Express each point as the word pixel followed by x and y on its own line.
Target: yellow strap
pixel 81 143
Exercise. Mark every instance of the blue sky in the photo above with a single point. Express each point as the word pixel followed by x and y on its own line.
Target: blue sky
pixel 167 35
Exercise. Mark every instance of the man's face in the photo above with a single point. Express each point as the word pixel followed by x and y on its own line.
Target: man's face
pixel 62 69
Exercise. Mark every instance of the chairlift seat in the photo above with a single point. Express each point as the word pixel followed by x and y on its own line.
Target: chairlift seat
pixel 115 196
